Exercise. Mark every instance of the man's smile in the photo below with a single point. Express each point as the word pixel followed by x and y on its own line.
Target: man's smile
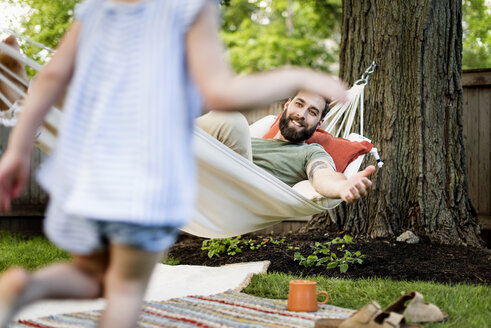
pixel 297 123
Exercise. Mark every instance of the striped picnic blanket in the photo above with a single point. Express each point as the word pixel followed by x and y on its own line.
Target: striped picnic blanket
pixel 228 309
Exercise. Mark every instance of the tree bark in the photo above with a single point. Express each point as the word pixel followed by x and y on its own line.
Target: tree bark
pixel 413 114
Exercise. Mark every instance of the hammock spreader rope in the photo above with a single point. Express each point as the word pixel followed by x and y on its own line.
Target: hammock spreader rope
pixel 47 133
pixel 23 59
pixel 28 40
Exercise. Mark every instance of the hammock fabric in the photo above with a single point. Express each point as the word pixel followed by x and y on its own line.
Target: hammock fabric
pixel 234 196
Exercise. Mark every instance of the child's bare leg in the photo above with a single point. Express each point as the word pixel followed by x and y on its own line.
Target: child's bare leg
pixel 12 284
pixel 81 279
pixel 125 284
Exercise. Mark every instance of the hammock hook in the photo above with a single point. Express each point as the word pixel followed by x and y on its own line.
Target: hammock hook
pixel 366 75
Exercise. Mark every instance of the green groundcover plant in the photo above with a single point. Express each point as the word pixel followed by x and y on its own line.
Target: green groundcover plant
pixel 327 254
pixel 232 246
pixel 332 254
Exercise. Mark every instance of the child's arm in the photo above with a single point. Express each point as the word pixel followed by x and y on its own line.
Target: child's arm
pixel 46 89
pixel 222 89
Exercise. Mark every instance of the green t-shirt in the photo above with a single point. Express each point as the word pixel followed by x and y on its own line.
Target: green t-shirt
pixel 285 160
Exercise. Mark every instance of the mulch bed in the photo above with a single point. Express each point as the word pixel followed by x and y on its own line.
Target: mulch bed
pixel 383 258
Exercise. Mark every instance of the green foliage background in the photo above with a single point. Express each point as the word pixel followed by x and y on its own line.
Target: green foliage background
pixel 47 22
pixel 477 34
pixel 264 34
pixel 260 35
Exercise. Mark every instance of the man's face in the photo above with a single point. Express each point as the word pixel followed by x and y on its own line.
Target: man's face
pixel 302 116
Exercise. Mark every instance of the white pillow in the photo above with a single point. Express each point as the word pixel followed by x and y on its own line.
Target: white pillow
pixel 259 128
pixel 306 189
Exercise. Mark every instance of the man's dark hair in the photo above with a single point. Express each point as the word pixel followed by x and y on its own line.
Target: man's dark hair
pixel 326 109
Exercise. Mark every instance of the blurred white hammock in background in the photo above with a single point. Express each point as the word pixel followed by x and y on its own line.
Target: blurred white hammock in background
pixel 235 196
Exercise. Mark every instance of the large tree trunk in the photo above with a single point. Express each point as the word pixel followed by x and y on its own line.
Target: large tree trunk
pixel 413 114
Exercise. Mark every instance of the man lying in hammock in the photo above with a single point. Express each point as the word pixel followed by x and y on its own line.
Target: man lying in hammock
pixel 286 156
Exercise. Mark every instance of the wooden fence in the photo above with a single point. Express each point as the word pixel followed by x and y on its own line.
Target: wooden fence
pixel 33 200
pixel 477 141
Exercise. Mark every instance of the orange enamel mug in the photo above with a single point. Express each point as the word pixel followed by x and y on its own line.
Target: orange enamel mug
pixel 302 296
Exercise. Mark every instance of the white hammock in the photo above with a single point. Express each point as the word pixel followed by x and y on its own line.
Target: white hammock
pixel 235 196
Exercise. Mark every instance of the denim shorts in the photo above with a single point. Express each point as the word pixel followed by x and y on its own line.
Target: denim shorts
pixel 85 236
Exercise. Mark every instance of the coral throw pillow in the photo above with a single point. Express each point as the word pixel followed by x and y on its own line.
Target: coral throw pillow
pixel 342 151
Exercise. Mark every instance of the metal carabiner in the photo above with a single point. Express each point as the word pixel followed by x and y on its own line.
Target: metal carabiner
pixel 366 74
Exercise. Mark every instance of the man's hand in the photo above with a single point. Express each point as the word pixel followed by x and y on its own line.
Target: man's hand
pixel 332 184
pixel 357 185
pixel 14 172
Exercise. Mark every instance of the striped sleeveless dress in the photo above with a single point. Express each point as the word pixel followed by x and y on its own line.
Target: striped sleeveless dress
pixel 125 146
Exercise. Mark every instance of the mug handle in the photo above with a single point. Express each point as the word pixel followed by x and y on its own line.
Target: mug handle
pixel 325 294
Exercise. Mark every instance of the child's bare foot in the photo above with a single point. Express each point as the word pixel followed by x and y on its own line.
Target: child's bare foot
pixel 12 285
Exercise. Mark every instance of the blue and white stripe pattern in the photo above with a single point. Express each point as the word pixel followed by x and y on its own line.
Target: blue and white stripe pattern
pixel 124 151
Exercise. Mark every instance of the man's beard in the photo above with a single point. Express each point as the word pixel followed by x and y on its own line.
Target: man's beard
pixel 292 134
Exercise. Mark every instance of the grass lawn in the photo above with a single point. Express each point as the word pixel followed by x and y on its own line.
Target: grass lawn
pixel 469 306
pixel 28 252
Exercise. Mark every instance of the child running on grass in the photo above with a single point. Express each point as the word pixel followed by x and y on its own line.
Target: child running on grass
pixel 122 177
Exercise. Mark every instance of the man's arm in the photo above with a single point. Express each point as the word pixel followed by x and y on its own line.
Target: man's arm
pixel 332 184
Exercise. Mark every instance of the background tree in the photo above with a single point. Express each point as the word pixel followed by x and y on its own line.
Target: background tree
pixel 260 35
pixel 477 34
pixel 414 116
pixel 46 23
pixel 48 20
pixel 257 34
